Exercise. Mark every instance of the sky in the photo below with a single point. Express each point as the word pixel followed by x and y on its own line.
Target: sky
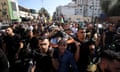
pixel 49 5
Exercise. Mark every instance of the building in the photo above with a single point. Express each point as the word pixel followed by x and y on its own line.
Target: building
pixel 23 12
pixel 4 10
pixel 80 10
pixel 13 10
pixel 27 14
pixel 9 11
pixel 88 8
pixel 68 11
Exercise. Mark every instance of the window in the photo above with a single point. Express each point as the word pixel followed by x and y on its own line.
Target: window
pixel 80 10
pixel 76 11
pixel 14 6
pixel 78 19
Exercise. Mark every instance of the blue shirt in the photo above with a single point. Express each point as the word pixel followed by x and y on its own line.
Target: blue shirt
pixel 65 61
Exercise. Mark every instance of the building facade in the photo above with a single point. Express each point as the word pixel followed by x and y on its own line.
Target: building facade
pixel 88 8
pixel 27 14
pixel 68 11
pixel 4 10
pixel 9 11
pixel 80 10
pixel 14 10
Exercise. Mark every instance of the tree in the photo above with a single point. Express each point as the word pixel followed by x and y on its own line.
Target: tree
pixel 111 7
pixel 44 12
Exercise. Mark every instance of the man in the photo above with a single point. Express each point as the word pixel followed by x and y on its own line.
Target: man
pixel 12 46
pixel 110 61
pixel 31 40
pixel 41 56
pixel 108 36
pixel 63 59
pixel 82 53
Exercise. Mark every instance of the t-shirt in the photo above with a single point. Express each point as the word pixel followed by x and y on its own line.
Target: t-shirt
pixel 84 57
pixel 42 60
pixel 12 46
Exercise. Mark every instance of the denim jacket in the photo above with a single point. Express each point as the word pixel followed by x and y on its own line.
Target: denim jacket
pixel 66 61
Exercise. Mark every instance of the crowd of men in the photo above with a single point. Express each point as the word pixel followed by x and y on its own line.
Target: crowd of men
pixel 60 47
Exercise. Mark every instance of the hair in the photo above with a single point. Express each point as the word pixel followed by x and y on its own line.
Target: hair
pixel 10 27
pixel 62 41
pixel 58 34
pixel 43 38
pixel 110 55
pixel 81 28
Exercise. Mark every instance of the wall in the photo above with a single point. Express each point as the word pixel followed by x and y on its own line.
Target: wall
pixel 4 11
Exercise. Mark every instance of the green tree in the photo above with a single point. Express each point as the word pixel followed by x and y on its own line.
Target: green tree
pixel 44 12
pixel 111 7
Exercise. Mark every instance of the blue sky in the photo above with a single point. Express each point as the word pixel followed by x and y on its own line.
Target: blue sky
pixel 50 5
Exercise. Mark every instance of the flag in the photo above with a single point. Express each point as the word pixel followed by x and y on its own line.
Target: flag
pixel 45 19
pixel 50 19
pixel 61 19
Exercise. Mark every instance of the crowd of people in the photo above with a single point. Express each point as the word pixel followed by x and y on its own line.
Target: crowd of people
pixel 60 47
